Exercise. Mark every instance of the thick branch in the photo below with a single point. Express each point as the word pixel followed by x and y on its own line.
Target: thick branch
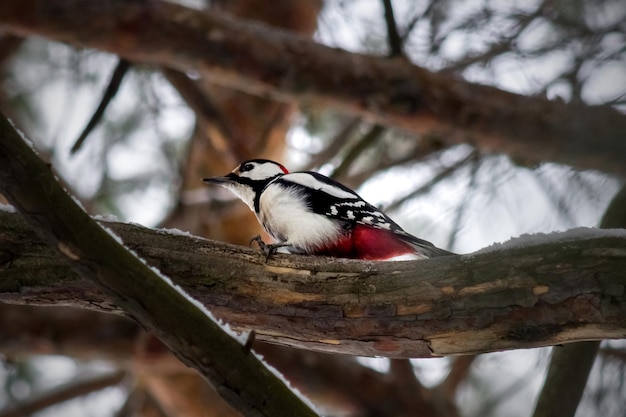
pixel 198 340
pixel 558 291
pixel 263 61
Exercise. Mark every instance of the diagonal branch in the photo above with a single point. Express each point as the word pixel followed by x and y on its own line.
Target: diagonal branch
pixel 270 62
pixel 195 337
pixel 119 73
pixel 63 393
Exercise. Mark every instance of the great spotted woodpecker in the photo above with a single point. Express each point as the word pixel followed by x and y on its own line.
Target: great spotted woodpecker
pixel 309 213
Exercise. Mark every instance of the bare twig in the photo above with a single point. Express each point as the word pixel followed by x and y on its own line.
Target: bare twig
pixel 120 71
pixel 393 37
pixel 353 153
pixel 63 393
pixel 444 173
pixel 207 111
pixel 335 145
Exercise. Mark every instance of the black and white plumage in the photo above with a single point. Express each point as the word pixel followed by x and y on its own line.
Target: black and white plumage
pixel 310 213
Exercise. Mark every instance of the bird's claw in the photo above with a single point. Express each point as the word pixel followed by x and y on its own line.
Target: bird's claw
pixel 258 241
pixel 267 249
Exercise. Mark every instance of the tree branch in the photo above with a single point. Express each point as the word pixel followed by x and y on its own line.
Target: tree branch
pixel 394 40
pixel 266 61
pixel 197 339
pixel 558 291
pixel 63 393
pixel 120 71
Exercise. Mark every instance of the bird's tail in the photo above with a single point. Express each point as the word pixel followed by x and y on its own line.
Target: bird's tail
pixel 425 248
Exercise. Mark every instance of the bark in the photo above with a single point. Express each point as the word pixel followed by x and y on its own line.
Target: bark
pixel 258 60
pixel 197 339
pixel 555 292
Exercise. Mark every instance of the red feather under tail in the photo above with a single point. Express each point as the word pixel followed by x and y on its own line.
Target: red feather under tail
pixel 368 243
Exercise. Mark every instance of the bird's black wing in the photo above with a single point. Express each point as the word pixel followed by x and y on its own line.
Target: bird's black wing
pixel 330 198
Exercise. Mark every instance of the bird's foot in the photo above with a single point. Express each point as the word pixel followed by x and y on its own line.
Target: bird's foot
pixel 267 249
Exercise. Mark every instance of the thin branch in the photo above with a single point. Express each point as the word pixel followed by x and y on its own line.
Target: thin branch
pixel 63 393
pixel 500 46
pixel 335 145
pixel 441 175
pixel 355 151
pixel 393 37
pixel 119 73
pixel 415 20
pixel 425 148
pixel 207 111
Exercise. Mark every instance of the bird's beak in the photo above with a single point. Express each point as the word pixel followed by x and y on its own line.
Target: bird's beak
pixel 223 181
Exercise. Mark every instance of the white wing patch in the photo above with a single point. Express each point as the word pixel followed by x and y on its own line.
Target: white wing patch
pixel 289 220
pixel 308 180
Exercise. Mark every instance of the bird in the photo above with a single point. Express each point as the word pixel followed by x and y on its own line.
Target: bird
pixel 308 213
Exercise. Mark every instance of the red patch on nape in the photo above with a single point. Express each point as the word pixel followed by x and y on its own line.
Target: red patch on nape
pixel 367 243
pixel 285 170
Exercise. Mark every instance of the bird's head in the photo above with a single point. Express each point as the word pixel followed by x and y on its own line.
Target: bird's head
pixel 249 178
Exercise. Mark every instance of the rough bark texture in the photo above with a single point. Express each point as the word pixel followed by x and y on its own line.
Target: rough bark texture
pixel 237 375
pixel 544 294
pixel 262 61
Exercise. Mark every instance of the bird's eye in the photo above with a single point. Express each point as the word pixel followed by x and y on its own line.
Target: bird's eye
pixel 246 167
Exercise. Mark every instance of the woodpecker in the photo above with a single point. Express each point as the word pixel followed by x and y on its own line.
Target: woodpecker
pixel 308 213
